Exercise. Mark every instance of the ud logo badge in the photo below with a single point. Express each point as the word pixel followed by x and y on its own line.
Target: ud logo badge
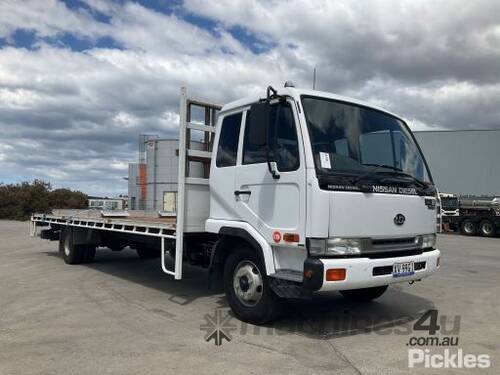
pixel 399 219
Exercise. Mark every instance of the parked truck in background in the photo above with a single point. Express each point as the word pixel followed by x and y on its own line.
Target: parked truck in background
pixel 473 216
pixel 305 191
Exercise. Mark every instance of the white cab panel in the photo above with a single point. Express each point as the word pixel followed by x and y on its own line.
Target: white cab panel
pixel 318 208
pixel 355 214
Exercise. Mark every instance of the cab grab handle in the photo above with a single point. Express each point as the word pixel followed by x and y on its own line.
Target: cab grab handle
pixel 242 192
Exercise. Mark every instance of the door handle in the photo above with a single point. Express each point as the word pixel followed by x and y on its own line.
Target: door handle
pixel 237 193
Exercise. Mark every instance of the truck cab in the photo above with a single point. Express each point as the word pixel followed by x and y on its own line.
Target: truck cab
pixel 449 204
pixel 310 191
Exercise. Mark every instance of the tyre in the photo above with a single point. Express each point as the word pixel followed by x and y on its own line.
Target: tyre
pixel 365 294
pixel 147 253
pixel 72 254
pixel 486 228
pixel 62 235
pixel 468 227
pixel 247 287
pixel 89 254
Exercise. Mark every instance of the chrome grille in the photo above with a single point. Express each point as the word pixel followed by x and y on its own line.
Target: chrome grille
pixel 392 244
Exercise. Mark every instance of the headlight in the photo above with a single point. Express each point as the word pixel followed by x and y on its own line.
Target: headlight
pixel 343 246
pixel 429 241
pixel 316 246
pixel 334 246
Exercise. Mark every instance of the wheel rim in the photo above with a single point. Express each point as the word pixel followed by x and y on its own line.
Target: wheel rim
pixel 66 246
pixel 469 227
pixel 248 283
pixel 487 228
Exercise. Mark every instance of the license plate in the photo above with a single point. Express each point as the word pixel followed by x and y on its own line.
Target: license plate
pixel 403 269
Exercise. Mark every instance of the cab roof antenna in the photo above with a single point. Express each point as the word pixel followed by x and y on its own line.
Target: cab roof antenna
pixel 314 78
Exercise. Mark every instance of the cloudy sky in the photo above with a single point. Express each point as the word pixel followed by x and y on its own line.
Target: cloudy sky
pixel 80 79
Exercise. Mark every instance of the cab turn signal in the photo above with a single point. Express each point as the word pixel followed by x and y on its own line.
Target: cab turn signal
pixel 335 274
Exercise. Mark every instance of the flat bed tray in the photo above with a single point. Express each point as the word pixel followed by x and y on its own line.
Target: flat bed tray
pixel 94 218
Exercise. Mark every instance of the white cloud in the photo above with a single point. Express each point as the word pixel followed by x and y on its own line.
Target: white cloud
pixel 170 120
pixel 47 18
pixel 125 119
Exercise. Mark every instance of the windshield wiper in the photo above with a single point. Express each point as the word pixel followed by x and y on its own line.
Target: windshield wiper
pixel 378 166
pixel 427 188
pixel 375 168
pixel 400 173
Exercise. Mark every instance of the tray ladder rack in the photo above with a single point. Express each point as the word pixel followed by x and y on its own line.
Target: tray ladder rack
pixel 186 155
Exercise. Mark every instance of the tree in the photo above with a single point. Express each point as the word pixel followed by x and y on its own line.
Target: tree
pixel 66 198
pixel 19 201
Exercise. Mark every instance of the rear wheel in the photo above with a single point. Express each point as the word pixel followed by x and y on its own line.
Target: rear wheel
pixel 468 227
pixel 247 287
pixel 486 228
pixel 89 253
pixel 62 235
pixel 72 254
pixel 365 294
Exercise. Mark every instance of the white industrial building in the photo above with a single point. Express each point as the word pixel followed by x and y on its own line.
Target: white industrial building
pixel 153 180
pixel 464 162
pixel 105 203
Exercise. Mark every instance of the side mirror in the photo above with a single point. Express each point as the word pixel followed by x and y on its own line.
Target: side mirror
pixel 259 123
pixel 258 132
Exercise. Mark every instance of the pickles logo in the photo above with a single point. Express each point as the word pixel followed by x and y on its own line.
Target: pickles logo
pixel 439 348
pixel 218 327
pixel 447 359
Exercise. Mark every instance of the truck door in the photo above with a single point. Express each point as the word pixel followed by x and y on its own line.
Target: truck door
pixel 222 173
pixel 274 207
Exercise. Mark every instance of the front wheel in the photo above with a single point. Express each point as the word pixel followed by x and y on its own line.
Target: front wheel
pixel 247 288
pixel 365 294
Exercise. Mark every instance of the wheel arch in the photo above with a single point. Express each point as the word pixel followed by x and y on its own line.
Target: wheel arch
pixel 229 237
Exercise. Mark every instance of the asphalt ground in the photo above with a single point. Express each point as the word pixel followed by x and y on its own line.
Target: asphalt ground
pixel 122 315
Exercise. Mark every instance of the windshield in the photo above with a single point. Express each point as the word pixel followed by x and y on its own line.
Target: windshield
pixel 449 203
pixel 349 139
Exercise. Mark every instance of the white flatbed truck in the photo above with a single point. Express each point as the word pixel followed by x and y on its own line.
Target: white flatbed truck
pixel 305 191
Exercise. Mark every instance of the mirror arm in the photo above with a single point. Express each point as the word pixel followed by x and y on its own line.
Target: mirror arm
pixel 273 169
pixel 274 92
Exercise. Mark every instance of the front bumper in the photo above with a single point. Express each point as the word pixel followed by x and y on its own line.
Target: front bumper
pixel 360 271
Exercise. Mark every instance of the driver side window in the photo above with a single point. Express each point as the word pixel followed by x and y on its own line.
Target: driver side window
pixel 282 140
